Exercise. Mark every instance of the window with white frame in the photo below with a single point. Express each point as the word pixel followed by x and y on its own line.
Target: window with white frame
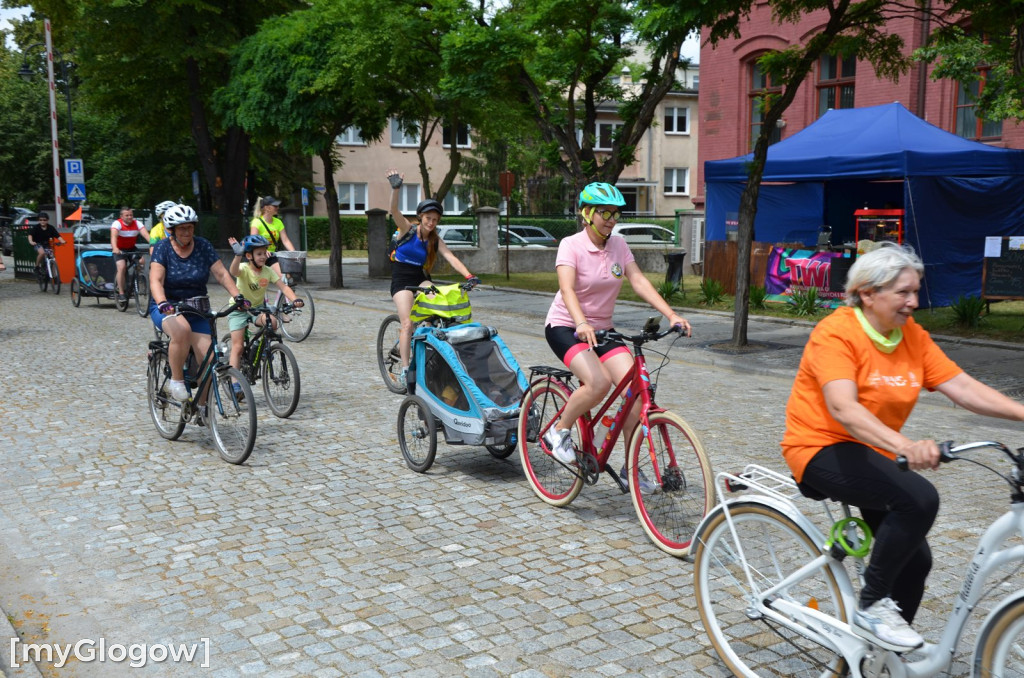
pixel 677 120
pixel 461 137
pixel 408 198
pixel 352 136
pixel 399 137
pixel 452 203
pixel 677 181
pixel 605 134
pixel 351 197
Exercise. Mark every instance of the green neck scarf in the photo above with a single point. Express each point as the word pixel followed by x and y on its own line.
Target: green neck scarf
pixel 881 342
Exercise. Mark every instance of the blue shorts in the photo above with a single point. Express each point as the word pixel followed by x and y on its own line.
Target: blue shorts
pixel 197 323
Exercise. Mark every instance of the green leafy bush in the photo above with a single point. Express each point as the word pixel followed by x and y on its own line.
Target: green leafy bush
pixel 806 302
pixel 668 290
pixel 757 296
pixel 711 292
pixel 967 311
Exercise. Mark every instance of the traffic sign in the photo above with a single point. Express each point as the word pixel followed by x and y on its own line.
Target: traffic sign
pixel 76 191
pixel 305 196
pixel 74 171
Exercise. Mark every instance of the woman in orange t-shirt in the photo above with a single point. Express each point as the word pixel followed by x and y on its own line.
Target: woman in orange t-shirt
pixel 858 381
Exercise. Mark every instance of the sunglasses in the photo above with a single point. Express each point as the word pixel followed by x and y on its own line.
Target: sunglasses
pixel 609 215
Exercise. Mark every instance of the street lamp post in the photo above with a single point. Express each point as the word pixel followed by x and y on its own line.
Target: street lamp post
pixel 27 74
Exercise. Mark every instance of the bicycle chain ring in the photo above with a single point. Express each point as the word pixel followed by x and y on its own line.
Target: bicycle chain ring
pixel 591 472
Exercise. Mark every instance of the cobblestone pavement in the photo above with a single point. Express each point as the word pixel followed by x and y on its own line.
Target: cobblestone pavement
pixel 324 555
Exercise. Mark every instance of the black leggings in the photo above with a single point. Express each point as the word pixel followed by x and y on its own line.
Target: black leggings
pixel 898 506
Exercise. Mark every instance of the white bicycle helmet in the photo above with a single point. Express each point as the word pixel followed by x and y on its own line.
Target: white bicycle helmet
pixel 163 207
pixel 178 215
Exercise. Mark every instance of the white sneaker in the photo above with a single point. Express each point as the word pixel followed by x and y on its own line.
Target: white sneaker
pixel 646 486
pixel 177 390
pixel 560 443
pixel 882 623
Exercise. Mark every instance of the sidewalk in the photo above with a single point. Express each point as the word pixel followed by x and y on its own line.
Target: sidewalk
pixel 775 344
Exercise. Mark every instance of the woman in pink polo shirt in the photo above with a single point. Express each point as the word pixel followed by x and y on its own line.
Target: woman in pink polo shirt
pixel 591 266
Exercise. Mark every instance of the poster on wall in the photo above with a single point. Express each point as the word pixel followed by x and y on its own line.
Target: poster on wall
pixel 792 269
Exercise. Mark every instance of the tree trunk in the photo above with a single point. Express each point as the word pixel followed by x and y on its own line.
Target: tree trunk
pixel 225 191
pixel 331 198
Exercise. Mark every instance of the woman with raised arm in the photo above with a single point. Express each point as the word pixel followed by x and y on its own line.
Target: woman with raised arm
pixel 417 248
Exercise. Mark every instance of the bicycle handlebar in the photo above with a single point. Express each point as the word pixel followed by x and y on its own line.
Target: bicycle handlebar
pixel 182 307
pixel 642 338
pixel 948 453
pixel 432 289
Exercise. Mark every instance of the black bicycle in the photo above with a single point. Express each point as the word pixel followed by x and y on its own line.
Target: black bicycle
pixel 48 275
pixel 266 358
pixel 212 400
pixel 136 284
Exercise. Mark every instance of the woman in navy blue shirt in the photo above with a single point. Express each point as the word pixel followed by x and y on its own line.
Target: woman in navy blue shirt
pixel 181 265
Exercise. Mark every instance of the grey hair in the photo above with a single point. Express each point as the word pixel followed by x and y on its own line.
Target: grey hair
pixel 878 268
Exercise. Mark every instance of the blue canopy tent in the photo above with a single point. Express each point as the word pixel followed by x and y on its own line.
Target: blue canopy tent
pixel 954 191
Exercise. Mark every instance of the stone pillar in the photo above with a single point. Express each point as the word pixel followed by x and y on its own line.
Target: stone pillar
pixel 293 225
pixel 491 257
pixel 378 234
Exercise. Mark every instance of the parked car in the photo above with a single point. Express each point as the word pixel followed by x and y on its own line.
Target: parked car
pixel 645 234
pixel 534 234
pixel 463 236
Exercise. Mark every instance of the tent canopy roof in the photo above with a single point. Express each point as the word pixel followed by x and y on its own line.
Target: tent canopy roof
pixel 885 141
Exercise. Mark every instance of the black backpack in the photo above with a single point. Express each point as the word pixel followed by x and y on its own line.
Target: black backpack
pixel 397 241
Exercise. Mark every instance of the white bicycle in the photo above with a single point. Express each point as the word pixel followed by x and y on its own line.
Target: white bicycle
pixel 775 598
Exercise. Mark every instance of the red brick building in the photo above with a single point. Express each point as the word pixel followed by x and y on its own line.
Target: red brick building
pixel 730 78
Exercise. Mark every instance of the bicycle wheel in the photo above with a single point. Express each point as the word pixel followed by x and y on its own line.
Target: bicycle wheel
pixel 999 650
pixel 232 417
pixel 42 277
pixel 165 410
pixel 555 483
pixel 417 433
pixel 54 277
pixel 138 288
pixel 388 359
pixel 297 325
pixel 280 375
pixel 76 293
pixel 673 459
pixel 774 546
pixel 501 451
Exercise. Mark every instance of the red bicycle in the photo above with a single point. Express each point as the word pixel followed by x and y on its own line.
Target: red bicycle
pixel 668 473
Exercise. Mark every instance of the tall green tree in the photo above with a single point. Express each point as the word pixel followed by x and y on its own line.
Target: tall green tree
pixel 852 29
pixel 152 65
pixel 559 60
pixel 279 94
pixel 26 163
pixel 982 33
pixel 402 46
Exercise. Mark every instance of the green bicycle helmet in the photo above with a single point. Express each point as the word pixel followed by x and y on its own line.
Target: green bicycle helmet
pixel 600 193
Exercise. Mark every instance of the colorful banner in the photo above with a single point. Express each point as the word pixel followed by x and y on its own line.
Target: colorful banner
pixel 790 268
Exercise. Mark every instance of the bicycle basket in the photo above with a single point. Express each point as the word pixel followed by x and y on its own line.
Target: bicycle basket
pixel 291 262
pixel 451 302
pixel 197 304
